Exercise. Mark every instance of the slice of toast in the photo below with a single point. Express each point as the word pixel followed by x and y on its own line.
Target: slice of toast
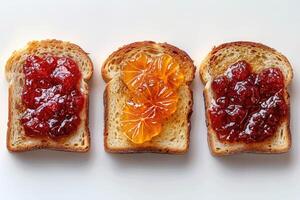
pixel 259 57
pixel 174 137
pixel 17 141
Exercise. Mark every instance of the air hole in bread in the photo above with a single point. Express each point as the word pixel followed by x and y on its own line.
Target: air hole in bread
pixel 21 82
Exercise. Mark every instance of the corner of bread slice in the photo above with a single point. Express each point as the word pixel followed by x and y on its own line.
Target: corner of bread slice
pixel 17 141
pixel 175 134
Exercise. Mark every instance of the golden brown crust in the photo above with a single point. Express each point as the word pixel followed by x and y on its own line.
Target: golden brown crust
pixel 174 52
pixel 210 58
pixel 258 147
pixel 121 51
pixel 31 47
pixel 168 48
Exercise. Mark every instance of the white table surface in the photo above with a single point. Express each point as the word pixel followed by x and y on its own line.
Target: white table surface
pixel 194 26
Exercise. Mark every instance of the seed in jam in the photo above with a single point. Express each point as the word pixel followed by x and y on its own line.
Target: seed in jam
pixel 247 106
pixel 139 123
pixel 51 96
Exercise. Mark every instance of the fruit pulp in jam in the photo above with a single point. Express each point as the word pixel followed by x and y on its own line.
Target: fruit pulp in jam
pixel 139 122
pixel 152 84
pixel 247 106
pixel 51 96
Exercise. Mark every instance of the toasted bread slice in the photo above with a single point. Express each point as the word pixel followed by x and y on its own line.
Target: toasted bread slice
pixel 174 137
pixel 259 57
pixel 17 141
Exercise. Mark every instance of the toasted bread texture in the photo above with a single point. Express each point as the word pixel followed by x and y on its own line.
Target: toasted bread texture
pixel 17 141
pixel 175 134
pixel 259 57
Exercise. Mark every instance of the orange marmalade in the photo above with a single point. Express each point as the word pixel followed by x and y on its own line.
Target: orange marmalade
pixel 152 82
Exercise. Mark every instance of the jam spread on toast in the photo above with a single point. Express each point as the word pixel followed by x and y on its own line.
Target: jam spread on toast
pixel 247 107
pixel 152 82
pixel 51 96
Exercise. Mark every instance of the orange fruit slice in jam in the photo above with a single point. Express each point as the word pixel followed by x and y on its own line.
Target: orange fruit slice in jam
pixel 167 69
pixel 160 98
pixel 152 82
pixel 135 71
pixel 138 123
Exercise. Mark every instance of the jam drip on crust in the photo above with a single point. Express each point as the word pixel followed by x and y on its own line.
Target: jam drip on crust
pixel 51 96
pixel 247 107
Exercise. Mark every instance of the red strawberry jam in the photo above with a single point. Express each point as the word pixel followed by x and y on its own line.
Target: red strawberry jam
pixel 247 107
pixel 51 96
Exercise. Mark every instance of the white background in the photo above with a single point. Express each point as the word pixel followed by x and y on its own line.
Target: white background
pixel 194 26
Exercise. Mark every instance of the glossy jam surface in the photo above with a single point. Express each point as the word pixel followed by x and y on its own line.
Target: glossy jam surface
pixel 152 84
pixel 247 107
pixel 161 99
pixel 51 96
pixel 143 67
pixel 139 122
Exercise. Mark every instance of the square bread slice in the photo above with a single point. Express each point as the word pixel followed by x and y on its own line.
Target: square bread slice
pixel 259 57
pixel 17 141
pixel 174 137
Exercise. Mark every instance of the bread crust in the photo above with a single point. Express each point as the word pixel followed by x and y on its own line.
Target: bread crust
pixel 256 147
pixel 175 52
pixel 210 57
pixel 59 146
pixel 172 50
